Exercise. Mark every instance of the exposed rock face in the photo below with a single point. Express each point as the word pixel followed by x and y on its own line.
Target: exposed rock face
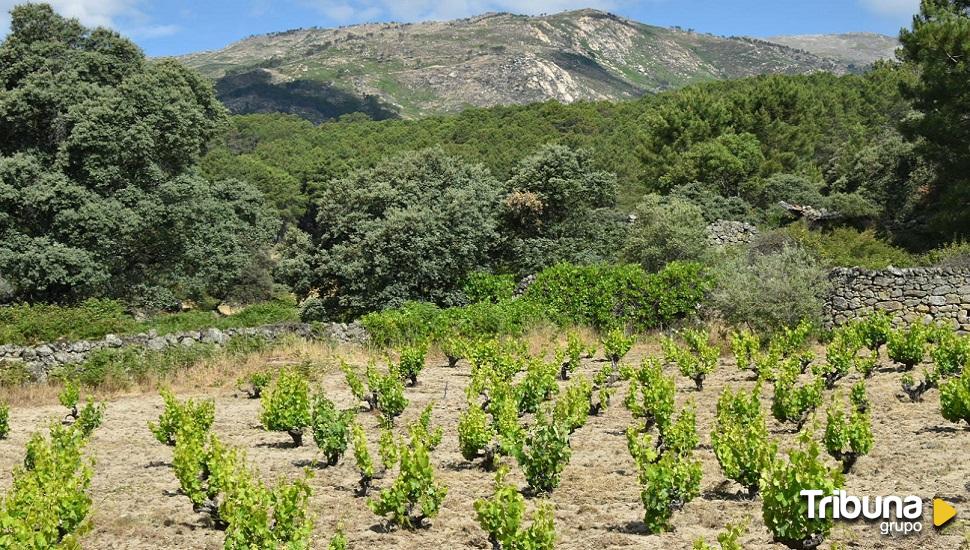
pixel 910 295
pixel 860 49
pixel 437 67
pixel 726 233
pixel 43 358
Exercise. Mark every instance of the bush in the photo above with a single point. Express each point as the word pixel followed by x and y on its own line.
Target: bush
pixel 176 417
pixel 846 439
pixel 794 403
pixel 840 356
pixel 4 420
pixel 412 362
pixel 388 449
pixel 740 438
pixel 784 509
pixel 951 353
pixel 121 366
pixel 908 346
pixel 874 329
pixel 330 428
pixel 572 407
pixel 538 385
pixel 666 229
pixel 286 408
pixel 414 495
pixel 69 397
pixel 766 291
pixel 387 393
pixel 262 517
pixel 695 360
pixel 955 398
pixel 365 464
pixel 48 501
pixel 544 454
pixel 616 344
pixel 421 429
pixel 255 383
pixel 681 437
pixel 475 432
pixel 745 345
pixel 90 416
pixel 727 539
pixel 502 515
pixel 666 485
pixel 651 396
pixel 486 287
pixel 603 296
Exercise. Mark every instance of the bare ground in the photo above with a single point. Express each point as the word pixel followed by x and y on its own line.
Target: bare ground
pixel 137 504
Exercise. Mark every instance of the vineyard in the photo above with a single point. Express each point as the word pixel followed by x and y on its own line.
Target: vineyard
pixel 569 439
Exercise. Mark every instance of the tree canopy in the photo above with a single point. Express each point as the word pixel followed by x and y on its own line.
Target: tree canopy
pixel 99 193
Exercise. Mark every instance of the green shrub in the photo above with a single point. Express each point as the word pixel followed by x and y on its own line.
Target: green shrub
pixel 695 360
pixel 667 484
pixel 387 392
pixel 572 358
pixel 740 438
pixel 286 408
pixel 847 438
pixel 262 517
pixel 729 539
pixel 955 398
pixel 338 541
pixel 356 385
pixel 69 398
pixel 412 362
pixel 4 420
pixel 848 247
pixel 681 437
pixel 502 516
pixel 766 291
pixel 951 353
pixel 858 397
pixel 793 402
pixel 784 509
pixel 414 495
pixel 603 296
pixel 131 364
pixel 410 323
pixel 389 449
pixel 365 464
pixel 874 329
pixel 486 287
pixel 666 229
pixel 616 344
pixel 255 383
pixel 840 356
pixel 908 346
pixel 651 396
pixel 421 429
pixel 745 345
pixel 538 385
pixel 572 407
pixel 179 416
pixel 544 454
pixel 475 432
pixel 90 416
pixel 48 502
pixel 603 384
pixel 330 428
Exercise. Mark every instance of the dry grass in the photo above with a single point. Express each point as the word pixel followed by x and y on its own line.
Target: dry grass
pixel 137 504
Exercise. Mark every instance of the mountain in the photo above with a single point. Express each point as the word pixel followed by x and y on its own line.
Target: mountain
pixel 859 49
pixel 411 70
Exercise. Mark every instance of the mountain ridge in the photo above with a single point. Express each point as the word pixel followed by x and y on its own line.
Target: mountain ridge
pixel 388 70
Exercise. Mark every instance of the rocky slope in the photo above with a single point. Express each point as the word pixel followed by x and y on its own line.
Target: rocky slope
pixel 410 70
pixel 859 49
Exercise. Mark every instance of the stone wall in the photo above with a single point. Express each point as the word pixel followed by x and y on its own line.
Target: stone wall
pixel 725 232
pixel 43 358
pixel 914 294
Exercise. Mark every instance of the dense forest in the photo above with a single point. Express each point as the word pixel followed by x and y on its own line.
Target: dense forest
pixel 123 177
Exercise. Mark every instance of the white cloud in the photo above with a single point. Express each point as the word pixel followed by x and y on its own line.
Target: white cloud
pixel 125 16
pixel 892 8
pixel 420 10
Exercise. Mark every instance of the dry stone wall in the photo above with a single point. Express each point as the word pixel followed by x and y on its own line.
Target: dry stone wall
pixel 913 294
pixel 726 232
pixel 42 359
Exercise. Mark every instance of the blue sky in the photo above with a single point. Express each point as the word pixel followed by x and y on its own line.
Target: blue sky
pixel 183 26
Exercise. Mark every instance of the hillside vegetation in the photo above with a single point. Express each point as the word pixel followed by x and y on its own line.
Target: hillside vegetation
pixel 393 69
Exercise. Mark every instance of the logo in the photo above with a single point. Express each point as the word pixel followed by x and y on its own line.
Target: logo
pixel 898 514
